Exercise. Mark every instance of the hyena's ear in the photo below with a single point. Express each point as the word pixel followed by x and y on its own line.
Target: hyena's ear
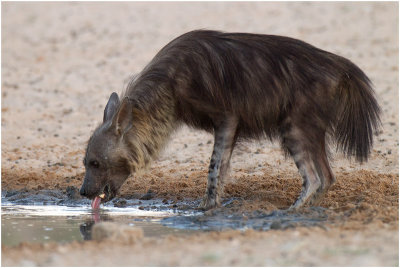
pixel 123 119
pixel 111 107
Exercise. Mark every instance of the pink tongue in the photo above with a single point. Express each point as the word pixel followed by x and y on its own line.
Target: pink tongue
pixel 96 202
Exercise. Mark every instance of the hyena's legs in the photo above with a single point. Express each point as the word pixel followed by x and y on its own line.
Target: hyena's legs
pixel 224 141
pixel 311 160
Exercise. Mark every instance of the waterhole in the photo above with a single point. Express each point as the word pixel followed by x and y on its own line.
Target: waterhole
pixel 54 216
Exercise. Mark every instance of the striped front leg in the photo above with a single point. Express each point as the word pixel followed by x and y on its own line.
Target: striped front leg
pixel 224 140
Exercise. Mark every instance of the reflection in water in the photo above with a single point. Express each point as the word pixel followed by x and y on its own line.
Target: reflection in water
pixel 86 227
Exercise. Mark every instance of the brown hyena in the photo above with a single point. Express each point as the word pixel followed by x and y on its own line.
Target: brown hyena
pixel 237 86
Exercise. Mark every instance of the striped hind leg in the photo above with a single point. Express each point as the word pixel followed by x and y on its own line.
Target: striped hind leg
pixel 310 158
pixel 311 179
pixel 325 174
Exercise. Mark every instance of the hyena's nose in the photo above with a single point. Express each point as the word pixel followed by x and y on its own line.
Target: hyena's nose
pixel 82 191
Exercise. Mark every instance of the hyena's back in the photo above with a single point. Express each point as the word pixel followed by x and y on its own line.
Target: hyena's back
pixel 247 86
pixel 271 84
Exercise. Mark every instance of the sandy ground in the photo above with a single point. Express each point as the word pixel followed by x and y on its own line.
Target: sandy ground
pixel 230 248
pixel 61 61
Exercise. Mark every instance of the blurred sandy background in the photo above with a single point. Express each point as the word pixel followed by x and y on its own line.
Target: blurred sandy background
pixel 61 61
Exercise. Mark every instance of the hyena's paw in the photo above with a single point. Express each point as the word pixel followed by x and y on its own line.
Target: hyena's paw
pixel 316 199
pixel 209 203
pixel 295 206
pixel 312 201
pixel 298 204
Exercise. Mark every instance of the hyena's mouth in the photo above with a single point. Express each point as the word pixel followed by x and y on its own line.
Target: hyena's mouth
pixel 105 196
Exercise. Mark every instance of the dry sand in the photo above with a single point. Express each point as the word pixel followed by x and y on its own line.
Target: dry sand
pixel 61 61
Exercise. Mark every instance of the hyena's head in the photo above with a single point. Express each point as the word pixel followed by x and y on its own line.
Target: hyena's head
pixel 107 155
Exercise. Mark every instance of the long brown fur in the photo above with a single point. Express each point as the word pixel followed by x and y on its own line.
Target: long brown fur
pixel 237 86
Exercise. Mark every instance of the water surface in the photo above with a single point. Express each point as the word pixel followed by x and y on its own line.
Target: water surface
pixel 51 215
pixel 44 223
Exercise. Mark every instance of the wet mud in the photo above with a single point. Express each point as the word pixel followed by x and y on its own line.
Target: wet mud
pixel 219 220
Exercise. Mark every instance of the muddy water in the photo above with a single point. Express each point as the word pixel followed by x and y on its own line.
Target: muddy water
pixel 55 216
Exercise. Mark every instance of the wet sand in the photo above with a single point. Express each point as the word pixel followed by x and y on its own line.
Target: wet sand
pixel 61 61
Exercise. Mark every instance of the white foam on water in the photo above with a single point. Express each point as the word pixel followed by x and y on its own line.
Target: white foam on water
pixel 54 210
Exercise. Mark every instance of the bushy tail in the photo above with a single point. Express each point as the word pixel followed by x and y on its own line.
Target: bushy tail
pixel 358 114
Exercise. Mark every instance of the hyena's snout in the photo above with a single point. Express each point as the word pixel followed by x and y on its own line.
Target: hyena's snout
pixel 95 187
pixel 82 191
pixel 85 191
pixel 90 188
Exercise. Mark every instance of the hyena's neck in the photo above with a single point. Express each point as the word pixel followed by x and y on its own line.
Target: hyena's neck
pixel 154 121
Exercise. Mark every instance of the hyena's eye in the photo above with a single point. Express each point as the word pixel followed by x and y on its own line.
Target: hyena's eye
pixel 94 164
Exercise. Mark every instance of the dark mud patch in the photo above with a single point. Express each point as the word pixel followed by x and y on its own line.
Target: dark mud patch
pixel 222 219
pixel 70 197
pixel 41 197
